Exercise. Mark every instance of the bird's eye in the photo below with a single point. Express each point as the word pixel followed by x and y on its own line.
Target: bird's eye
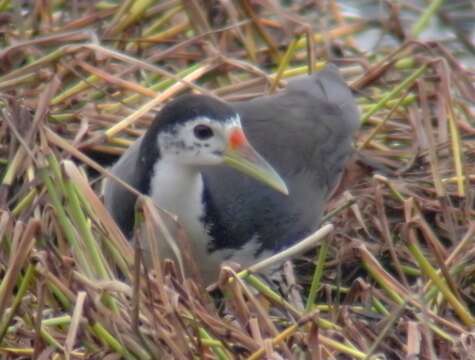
pixel 202 132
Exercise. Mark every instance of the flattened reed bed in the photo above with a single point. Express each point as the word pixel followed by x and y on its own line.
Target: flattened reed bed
pixel 80 81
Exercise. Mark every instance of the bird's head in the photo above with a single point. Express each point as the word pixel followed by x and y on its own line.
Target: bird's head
pixel 199 131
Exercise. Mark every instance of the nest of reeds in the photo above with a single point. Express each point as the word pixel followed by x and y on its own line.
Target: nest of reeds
pixel 80 80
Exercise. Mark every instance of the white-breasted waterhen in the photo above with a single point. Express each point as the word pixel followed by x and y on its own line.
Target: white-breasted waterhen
pixel 196 161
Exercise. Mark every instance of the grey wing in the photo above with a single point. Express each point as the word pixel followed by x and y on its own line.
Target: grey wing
pixel 119 201
pixel 307 128
pixel 336 118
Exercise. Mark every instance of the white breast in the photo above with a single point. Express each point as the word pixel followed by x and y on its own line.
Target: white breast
pixel 178 189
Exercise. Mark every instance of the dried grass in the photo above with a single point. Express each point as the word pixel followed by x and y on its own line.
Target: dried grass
pixel 79 81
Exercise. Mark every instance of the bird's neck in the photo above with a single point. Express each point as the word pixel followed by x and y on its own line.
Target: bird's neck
pixel 178 188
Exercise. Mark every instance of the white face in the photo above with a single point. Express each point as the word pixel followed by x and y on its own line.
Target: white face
pixel 201 141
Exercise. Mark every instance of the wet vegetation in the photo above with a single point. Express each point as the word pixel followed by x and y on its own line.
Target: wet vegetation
pixel 393 275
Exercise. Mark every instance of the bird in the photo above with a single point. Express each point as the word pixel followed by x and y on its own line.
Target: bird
pixel 245 179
